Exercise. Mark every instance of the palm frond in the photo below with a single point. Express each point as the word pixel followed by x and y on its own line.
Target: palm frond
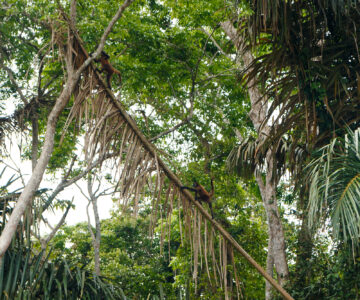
pixel 335 186
pixel 250 155
pixel 38 278
pixel 242 158
pixel 308 67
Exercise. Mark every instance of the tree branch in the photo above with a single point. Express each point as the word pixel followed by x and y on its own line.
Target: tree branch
pixel 65 182
pixel 107 31
pixel 186 120
pixel 45 242
pixel 215 42
pixel 96 238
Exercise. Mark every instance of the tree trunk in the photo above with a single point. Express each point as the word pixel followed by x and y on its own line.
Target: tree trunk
pixel 270 270
pixel 97 237
pixel 36 177
pixel 276 232
pixel 276 250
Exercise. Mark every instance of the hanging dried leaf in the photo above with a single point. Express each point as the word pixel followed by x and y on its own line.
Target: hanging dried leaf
pixel 110 129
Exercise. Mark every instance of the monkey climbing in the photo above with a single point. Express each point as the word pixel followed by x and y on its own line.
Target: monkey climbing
pixel 108 68
pixel 201 194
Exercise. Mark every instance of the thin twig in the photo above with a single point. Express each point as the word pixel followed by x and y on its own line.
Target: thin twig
pixel 210 35
pixel 12 78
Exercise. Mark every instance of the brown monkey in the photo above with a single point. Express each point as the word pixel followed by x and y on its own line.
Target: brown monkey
pixel 108 68
pixel 201 194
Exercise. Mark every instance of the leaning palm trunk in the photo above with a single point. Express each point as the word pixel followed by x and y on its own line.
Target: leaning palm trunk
pixel 139 168
pixel 112 129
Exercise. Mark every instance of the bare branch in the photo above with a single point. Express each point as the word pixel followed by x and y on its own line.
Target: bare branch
pixel 53 78
pixel 45 242
pixel 82 193
pixel 210 35
pixel 96 238
pixel 221 74
pixel 186 120
pixel 65 182
pixel 67 174
pixel 47 222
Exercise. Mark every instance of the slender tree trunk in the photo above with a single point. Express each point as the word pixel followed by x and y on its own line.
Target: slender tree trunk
pixel 276 232
pixel 276 251
pixel 97 236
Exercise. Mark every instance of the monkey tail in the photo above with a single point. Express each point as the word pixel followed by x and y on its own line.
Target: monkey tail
pixel 120 79
pixel 212 188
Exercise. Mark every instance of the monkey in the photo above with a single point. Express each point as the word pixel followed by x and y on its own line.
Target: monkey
pixel 78 58
pixel 108 68
pixel 201 194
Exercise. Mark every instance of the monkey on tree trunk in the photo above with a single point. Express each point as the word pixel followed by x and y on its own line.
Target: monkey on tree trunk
pixel 108 68
pixel 201 194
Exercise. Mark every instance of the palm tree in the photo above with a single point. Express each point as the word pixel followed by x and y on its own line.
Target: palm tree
pixel 335 186
pixel 307 65
pixel 310 68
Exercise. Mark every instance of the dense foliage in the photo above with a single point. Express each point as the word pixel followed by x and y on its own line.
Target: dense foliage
pixel 186 86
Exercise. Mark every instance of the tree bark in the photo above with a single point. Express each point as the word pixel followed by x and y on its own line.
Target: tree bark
pixel 97 237
pixel 276 232
pixel 36 176
pixel 35 135
pixel 276 249
pixel 270 270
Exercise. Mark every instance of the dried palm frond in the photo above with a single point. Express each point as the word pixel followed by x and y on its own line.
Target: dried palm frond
pixel 109 128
